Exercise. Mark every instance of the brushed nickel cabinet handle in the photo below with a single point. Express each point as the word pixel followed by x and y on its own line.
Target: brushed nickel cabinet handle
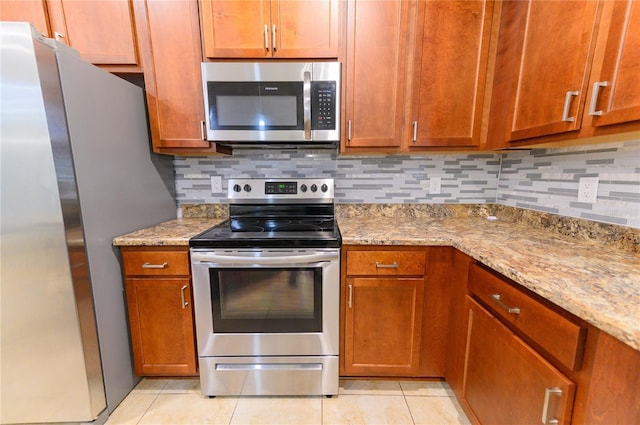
pixel 203 130
pixel 415 131
pixel 511 310
pixel 273 38
pixel 350 297
pixel 567 105
pixel 349 130
pixel 595 92
pixel 184 302
pixel 58 36
pixel 266 37
pixel 393 265
pixel 548 392
pixel 155 266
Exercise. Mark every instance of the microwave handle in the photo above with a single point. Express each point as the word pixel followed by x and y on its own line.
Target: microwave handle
pixel 306 104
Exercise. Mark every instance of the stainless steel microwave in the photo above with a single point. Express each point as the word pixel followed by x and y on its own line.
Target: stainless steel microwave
pixel 272 102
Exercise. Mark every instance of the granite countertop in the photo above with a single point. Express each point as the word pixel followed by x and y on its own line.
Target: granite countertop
pixel 594 281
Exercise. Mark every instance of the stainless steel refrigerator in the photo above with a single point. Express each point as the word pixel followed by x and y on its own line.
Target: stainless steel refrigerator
pixel 75 171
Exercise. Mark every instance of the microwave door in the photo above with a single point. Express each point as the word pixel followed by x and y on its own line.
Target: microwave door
pixel 256 111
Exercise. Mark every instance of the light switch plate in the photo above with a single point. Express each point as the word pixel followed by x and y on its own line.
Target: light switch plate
pixel 435 185
pixel 216 184
pixel 588 190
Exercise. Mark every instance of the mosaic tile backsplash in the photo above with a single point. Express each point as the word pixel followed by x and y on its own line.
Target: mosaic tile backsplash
pixel 539 179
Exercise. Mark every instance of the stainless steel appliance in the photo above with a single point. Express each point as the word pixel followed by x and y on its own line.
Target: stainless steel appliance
pixel 266 291
pixel 272 103
pixel 75 172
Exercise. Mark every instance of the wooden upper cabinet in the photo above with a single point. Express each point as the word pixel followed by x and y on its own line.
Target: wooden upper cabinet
pixel 270 28
pixel 103 31
pixel 449 76
pixel 542 72
pixel 376 62
pixel 615 82
pixel 34 11
pixel 172 58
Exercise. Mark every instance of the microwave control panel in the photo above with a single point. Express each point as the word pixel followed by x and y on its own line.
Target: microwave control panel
pixel 323 105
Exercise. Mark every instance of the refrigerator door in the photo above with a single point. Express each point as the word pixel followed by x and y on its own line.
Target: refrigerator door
pixel 46 375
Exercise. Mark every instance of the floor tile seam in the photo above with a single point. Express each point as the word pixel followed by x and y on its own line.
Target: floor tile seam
pixel 406 402
pixel 235 408
pixel 147 409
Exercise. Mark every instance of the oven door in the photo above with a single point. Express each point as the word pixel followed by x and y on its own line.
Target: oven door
pixel 266 302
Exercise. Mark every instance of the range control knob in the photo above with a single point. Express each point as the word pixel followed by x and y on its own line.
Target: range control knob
pixel 247 188
pixel 236 188
pixel 303 188
pixel 324 188
pixel 314 188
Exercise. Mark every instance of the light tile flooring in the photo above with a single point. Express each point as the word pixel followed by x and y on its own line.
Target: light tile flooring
pixel 179 401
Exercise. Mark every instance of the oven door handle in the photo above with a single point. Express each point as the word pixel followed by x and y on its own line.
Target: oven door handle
pixel 318 257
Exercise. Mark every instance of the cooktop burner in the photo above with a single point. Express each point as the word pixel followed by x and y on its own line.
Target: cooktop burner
pixel 276 213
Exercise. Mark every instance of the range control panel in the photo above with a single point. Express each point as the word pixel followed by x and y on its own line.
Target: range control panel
pixel 285 190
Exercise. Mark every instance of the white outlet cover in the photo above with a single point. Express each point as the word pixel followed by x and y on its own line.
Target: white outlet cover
pixel 216 184
pixel 435 185
pixel 588 190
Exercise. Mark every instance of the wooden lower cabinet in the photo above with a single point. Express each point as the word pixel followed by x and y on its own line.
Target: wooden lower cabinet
pixel 160 306
pixel 383 326
pixel 506 381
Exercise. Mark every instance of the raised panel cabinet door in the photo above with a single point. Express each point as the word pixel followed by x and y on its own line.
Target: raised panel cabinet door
pixel 552 46
pixel 33 11
pixel 383 323
pixel 615 90
pixel 506 381
pixel 237 28
pixel 161 320
pixel 173 80
pixel 103 31
pixel 452 47
pixel 305 28
pixel 376 62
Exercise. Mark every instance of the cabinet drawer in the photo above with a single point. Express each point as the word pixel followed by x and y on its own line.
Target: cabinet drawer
pixel 155 262
pixel 386 263
pixel 554 333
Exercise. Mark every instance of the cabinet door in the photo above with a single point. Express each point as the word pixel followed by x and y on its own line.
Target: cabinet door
pixel 161 320
pixel 615 97
pixel 236 28
pixel 506 381
pixel 452 46
pixel 304 28
pixel 102 31
pixel 549 47
pixel 375 73
pixel 172 76
pixel 34 11
pixel 383 326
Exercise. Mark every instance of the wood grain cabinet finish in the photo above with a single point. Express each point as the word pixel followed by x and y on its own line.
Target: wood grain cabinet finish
pixel 452 46
pixel 565 71
pixel 554 333
pixel 506 381
pixel 158 288
pixel 383 312
pixel 375 73
pixel 103 31
pixel 263 29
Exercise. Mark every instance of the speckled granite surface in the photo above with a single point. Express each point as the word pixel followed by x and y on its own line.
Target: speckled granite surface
pixel 592 274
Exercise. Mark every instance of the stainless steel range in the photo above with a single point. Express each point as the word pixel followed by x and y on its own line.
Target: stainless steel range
pixel 266 291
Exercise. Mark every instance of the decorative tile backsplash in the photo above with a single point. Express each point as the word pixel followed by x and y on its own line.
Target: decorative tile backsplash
pixel 539 179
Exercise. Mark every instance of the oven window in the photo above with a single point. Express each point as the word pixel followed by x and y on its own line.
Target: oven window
pixel 266 300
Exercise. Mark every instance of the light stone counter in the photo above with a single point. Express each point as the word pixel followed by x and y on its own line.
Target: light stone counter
pixel 598 282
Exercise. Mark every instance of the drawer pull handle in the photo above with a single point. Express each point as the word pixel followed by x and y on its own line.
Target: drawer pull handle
pixel 595 92
pixel 511 310
pixel 184 302
pixel 394 265
pixel 155 266
pixel 350 300
pixel 548 392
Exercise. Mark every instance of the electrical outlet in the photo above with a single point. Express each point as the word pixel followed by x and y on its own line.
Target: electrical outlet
pixel 435 184
pixel 216 184
pixel 588 190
